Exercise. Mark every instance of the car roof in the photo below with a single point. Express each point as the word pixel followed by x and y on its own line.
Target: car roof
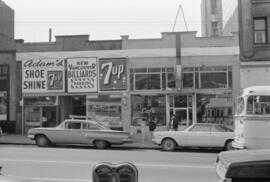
pixel 237 156
pixel 246 163
pixel 82 120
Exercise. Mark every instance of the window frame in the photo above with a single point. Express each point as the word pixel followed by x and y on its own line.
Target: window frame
pixel 260 30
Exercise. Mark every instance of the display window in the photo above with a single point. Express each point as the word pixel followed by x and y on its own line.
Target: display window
pixel 145 108
pixel 215 109
pixel 106 110
pixel 152 79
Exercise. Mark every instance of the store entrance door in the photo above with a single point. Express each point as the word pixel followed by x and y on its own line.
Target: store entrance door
pixel 49 118
pixel 181 116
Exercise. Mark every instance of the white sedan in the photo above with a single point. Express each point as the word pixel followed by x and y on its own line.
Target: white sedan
pixel 197 135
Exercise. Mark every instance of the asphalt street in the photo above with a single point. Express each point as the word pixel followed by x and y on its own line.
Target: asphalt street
pixel 76 163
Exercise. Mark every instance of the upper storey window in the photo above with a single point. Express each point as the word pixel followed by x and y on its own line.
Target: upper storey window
pixel 214 6
pixel 260 30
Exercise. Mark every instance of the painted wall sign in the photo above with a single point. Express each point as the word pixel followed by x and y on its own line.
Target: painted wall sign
pixel 82 75
pixel 43 75
pixel 112 74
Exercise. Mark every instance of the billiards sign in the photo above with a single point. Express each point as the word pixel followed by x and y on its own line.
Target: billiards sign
pixel 112 74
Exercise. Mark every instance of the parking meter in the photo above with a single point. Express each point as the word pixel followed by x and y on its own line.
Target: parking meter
pixel 107 172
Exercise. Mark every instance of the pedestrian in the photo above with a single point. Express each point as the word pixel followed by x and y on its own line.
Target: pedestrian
pixel 173 125
pixel 152 126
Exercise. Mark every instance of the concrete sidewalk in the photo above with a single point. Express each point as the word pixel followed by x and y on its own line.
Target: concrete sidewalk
pixel 23 140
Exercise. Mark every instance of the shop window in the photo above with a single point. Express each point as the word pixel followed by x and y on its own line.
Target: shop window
pixel 171 78
pixel 152 79
pixel 215 109
pixel 260 30
pixel 148 107
pixel 106 110
pixel 180 101
pixel 147 82
pixel 214 80
pixel 188 80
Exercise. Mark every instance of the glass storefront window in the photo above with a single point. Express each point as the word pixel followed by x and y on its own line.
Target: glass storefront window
pixel 214 80
pixel 144 107
pixel 188 80
pixel 180 101
pixel 106 110
pixel 214 109
pixel 152 79
pixel 147 82
pixel 171 80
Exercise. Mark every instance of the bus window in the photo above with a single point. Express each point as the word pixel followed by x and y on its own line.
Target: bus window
pixel 240 105
pixel 258 105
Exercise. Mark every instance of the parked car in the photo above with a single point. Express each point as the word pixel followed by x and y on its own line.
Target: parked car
pixel 197 135
pixel 243 165
pixel 79 131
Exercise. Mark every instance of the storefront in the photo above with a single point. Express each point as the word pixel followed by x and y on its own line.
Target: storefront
pixel 54 89
pixel 206 96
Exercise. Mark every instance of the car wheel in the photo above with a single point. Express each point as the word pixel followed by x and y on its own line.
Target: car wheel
pixel 168 145
pixel 228 145
pixel 42 141
pixel 101 144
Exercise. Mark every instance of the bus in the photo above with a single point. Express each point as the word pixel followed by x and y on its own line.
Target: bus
pixel 252 118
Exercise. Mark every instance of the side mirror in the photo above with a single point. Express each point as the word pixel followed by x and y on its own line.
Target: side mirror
pixel 107 172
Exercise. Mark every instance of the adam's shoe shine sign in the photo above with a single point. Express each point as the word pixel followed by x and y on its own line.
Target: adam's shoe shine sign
pixel 43 75
pixel 82 74
pixel 112 74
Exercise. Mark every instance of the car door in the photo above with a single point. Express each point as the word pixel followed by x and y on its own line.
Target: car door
pixel 70 133
pixel 199 135
pixel 90 132
pixel 219 135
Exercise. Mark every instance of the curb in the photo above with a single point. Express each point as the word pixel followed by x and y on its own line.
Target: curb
pixel 116 146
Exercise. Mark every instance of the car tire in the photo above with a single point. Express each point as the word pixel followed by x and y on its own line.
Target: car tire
pixel 228 145
pixel 42 141
pixel 101 144
pixel 168 144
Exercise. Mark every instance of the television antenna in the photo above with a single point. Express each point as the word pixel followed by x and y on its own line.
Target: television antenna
pixel 177 14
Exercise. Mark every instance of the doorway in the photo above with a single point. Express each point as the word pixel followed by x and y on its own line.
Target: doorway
pixel 49 117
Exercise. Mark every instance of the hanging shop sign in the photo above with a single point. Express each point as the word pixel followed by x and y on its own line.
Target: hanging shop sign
pixel 43 75
pixel 82 74
pixel 112 74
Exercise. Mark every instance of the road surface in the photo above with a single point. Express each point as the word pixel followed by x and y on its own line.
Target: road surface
pixel 66 164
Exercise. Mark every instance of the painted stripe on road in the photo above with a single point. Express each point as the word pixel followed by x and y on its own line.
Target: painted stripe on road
pixel 96 162
pixel 53 179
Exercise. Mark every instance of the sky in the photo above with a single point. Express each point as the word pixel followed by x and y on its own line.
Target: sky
pixel 102 19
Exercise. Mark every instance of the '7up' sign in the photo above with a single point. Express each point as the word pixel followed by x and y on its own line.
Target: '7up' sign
pixel 112 74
